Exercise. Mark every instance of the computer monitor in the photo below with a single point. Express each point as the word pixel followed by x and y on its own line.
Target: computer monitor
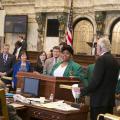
pixel 31 86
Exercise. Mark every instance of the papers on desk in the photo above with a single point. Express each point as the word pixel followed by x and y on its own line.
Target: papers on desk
pixel 16 105
pixel 60 106
pixel 65 86
pixel 40 100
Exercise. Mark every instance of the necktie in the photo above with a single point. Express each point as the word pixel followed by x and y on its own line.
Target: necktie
pixel 4 58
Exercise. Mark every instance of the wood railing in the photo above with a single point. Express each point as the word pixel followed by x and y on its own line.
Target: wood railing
pixel 81 59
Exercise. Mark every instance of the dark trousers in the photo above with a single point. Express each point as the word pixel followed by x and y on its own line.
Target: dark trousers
pixel 95 111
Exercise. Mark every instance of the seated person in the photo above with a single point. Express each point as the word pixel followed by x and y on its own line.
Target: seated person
pixel 22 65
pixel 40 62
pixel 67 67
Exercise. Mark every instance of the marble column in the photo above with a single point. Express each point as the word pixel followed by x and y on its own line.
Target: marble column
pixel 1 42
pixel 100 17
pixel 62 26
pixel 40 18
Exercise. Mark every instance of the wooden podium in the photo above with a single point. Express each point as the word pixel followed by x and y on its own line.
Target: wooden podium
pixel 49 84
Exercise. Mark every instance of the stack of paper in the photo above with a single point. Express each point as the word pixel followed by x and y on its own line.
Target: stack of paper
pixel 60 106
pixel 16 105
pixel 40 100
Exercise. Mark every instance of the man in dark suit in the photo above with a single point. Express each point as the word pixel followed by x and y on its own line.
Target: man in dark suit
pixel 103 84
pixel 6 62
pixel 24 43
pixel 17 50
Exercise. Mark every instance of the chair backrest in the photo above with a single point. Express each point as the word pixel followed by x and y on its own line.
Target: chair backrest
pixel 108 116
pixel 3 106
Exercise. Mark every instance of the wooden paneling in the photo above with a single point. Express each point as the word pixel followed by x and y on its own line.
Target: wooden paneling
pixel 81 59
pixel 49 84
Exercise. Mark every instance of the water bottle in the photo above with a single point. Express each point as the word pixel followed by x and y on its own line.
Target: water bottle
pixel 51 97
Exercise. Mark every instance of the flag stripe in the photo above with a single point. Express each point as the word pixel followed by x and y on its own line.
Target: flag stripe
pixel 69 37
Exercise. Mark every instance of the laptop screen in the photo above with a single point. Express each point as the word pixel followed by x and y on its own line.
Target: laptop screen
pixel 31 86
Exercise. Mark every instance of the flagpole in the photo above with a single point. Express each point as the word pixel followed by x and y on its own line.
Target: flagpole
pixel 71 9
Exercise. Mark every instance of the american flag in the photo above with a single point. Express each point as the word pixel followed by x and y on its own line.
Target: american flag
pixel 69 32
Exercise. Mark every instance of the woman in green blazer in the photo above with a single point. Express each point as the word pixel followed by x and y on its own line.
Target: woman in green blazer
pixel 67 67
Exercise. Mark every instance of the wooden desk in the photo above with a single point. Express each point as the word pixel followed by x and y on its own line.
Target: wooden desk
pixel 52 114
pixel 42 113
pixel 49 84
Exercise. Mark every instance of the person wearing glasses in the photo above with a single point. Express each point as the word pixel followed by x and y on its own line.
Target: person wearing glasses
pixel 103 82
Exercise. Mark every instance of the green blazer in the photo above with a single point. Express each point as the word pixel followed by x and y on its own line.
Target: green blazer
pixel 74 68
pixel 88 74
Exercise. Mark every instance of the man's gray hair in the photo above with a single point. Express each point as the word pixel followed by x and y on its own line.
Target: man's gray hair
pixel 104 43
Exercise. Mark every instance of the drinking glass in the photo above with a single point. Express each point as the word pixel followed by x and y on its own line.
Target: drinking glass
pixel 76 94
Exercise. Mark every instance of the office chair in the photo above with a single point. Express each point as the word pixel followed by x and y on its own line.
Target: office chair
pixel 108 116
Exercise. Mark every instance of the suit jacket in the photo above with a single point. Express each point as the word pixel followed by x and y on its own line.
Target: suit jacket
pixel 49 63
pixel 16 70
pixel 76 69
pixel 103 84
pixel 8 66
pixel 19 54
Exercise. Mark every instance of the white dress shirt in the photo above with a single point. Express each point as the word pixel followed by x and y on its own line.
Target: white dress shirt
pixel 59 71
pixel 18 51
